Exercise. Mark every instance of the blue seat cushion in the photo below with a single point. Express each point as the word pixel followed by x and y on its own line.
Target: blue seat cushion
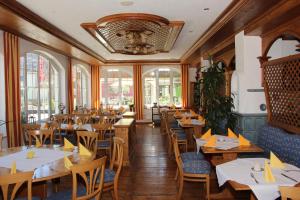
pixel 190 156
pixel 109 175
pixel 181 136
pixel 174 125
pixel 285 145
pixel 66 194
pixel 104 143
pixel 25 198
pixel 196 167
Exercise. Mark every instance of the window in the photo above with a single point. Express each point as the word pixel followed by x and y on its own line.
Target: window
pixel 116 86
pixel 162 86
pixel 80 86
pixel 39 87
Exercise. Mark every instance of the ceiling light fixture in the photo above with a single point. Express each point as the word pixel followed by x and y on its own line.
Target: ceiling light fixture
pixel 126 3
pixel 206 9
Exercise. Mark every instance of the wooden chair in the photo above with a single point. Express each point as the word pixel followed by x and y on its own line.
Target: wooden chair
pixel 193 171
pixel 83 118
pixel 88 139
pixel 111 178
pixel 1 138
pixel 289 193
pixel 57 136
pixel 25 130
pixel 11 183
pixel 104 141
pixel 43 135
pixel 88 181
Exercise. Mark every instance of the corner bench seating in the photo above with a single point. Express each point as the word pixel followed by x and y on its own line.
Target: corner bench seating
pixel 285 145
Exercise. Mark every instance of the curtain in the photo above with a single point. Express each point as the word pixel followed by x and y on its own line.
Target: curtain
pixel 184 83
pixel 70 87
pixel 138 94
pixel 12 90
pixel 95 86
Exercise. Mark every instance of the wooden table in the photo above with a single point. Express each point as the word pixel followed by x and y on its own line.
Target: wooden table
pixel 129 115
pixel 125 129
pixel 190 130
pixel 219 156
pixel 48 171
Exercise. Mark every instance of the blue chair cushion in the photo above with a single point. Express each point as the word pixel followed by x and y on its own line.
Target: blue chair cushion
pixel 109 175
pixel 66 194
pixel 174 125
pixel 196 167
pixel 104 144
pixel 190 156
pixel 285 145
pixel 181 136
pixel 25 198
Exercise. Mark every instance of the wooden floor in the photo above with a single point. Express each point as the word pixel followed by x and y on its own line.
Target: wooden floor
pixel 152 172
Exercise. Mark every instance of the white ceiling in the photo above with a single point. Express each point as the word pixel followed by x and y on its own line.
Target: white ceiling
pixel 67 15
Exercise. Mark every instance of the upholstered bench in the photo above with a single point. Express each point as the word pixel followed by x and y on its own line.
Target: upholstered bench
pixel 282 143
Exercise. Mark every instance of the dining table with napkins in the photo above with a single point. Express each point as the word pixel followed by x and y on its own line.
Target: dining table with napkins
pixel 259 175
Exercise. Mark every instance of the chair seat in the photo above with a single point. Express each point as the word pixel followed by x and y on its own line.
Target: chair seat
pixel 25 198
pixel 174 125
pixel 190 156
pixel 181 136
pixel 66 194
pixel 103 144
pixel 109 175
pixel 196 167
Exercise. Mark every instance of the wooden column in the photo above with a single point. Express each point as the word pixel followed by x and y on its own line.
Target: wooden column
pixel 125 129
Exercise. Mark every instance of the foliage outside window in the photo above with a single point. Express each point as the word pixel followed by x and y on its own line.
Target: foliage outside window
pixel 116 86
pixel 39 83
pixel 162 86
pixel 80 86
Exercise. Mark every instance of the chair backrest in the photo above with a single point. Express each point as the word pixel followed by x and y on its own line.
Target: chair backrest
pixel 43 135
pixel 11 183
pixel 117 157
pixel 29 127
pixel 177 153
pixel 101 129
pixel 1 137
pixel 289 193
pixel 88 139
pixel 83 118
pixel 92 175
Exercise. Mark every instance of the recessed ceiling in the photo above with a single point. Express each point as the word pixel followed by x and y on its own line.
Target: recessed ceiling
pixel 67 15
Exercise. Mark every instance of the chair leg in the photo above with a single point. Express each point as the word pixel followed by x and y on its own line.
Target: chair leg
pixel 176 175
pixel 179 194
pixel 116 192
pixel 207 188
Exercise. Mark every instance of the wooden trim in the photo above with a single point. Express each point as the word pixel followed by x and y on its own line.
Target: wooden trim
pixel 144 62
pixel 23 12
pixel 133 16
pixel 226 15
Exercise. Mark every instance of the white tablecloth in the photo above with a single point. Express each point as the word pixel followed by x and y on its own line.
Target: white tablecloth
pixel 223 142
pixel 42 157
pixel 239 171
pixel 87 127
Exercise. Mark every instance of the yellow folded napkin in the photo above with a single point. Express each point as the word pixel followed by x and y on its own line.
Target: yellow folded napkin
pixel 268 175
pixel 84 151
pixel 275 162
pixel 211 142
pixel 67 162
pixel 13 168
pixel 37 142
pixel 68 144
pixel 243 141
pixel 200 118
pixel 188 121
pixel 231 134
pixel 30 154
pixel 206 135
pixel 173 106
pixel 192 112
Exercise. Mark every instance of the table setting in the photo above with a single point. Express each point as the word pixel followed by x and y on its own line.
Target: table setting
pixel 263 176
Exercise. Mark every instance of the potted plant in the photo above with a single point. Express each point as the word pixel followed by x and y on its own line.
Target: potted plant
pixel 217 108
